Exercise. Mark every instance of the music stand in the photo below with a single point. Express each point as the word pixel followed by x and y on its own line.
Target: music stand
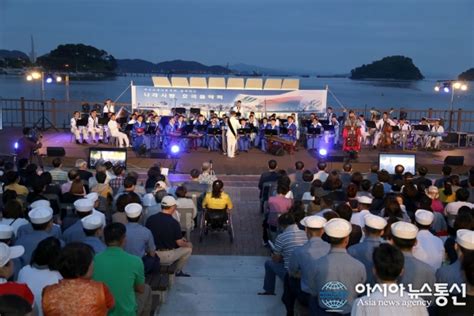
pixel 188 129
pixel 314 130
pixel 81 122
pixel 421 127
pixel 283 130
pixel 150 130
pixel 271 132
pixel 395 128
pixel 370 124
pixel 324 122
pixel 103 120
pixel 201 128
pixel 129 127
pixel 328 128
pixel 214 130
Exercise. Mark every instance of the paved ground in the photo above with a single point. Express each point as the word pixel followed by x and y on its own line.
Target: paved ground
pixel 222 285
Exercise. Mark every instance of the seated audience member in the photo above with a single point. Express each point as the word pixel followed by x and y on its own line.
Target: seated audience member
pixel 321 175
pixel 429 248
pixel 393 209
pixel 447 193
pixel 153 176
pixel 183 202
pixel 388 266
pixel 334 187
pixel 123 273
pixel 12 181
pixel 207 175
pixel 416 272
pixel 42 270
pixel 217 199
pixel 373 230
pixel 138 188
pixel 300 266
pixel 422 180
pixel 109 170
pixel 337 265
pixel 152 203
pixel 446 174
pixel 276 206
pixel 140 240
pixel 102 188
pixel 464 220
pixel 76 192
pixel 81 166
pixel 433 193
pixel 453 273
pixel 117 182
pixel 362 210
pixel 378 198
pixel 76 293
pixel 365 187
pixel 285 243
pixel 297 176
pixel 373 175
pixel 72 175
pixel 345 212
pixel 346 174
pixel 57 173
pixel 99 167
pixel 92 227
pixel 268 176
pixel 314 206
pixel 7 254
pixel 50 187
pixel 451 210
pixel 37 190
pixel 121 202
pixel 193 185
pixel 170 244
pixel 75 231
pixel 303 185
pixel 12 215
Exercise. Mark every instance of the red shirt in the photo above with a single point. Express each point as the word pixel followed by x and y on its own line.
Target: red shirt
pixel 18 289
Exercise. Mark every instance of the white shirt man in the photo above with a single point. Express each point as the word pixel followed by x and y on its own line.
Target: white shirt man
pixel 93 127
pixel 436 139
pixel 109 107
pixel 115 132
pixel 233 124
pixel 77 130
pixel 379 126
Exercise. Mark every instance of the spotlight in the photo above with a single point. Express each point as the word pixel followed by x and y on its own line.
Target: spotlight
pixel 446 89
pixel 59 79
pixel 436 88
pixel 456 85
pixel 29 77
pixel 464 87
pixel 15 145
pixel 49 80
pixel 36 75
pixel 323 152
pixel 175 149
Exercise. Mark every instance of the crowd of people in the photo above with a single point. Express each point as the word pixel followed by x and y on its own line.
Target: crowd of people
pixel 377 229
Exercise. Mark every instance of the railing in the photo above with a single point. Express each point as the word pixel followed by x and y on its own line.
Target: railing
pixel 22 112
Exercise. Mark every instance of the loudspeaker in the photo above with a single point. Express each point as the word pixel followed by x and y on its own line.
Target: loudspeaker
pixel 277 150
pixel 55 151
pixel 454 160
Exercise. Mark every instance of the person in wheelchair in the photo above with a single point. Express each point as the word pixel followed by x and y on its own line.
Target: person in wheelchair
pixel 217 199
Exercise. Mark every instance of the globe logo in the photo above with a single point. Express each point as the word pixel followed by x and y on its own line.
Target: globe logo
pixel 333 295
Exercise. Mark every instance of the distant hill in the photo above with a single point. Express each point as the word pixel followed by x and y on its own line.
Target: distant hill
pixel 392 67
pixel 173 66
pixel 4 53
pixel 468 75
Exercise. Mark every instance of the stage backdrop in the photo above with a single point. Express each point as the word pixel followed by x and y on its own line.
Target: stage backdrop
pixel 221 100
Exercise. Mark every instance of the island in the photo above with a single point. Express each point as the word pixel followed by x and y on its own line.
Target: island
pixel 391 67
pixel 468 75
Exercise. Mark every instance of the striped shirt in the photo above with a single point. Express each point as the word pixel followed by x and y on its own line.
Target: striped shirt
pixel 286 242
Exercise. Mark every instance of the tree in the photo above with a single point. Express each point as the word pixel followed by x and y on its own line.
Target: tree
pixel 468 75
pixel 392 67
pixel 78 58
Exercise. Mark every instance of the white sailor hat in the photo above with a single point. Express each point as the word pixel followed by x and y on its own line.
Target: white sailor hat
pixel 168 201
pixel 404 230
pixel 374 221
pixel 93 196
pixel 40 203
pixel 40 215
pixel 424 217
pixel 6 232
pixel 465 238
pixel 338 228
pixel 7 253
pixel 133 210
pixel 364 200
pixel 313 221
pixel 91 222
pixel 84 205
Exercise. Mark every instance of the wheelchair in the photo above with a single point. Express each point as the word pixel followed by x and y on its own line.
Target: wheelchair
pixel 215 221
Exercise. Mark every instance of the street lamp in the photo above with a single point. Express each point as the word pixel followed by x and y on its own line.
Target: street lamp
pixel 448 86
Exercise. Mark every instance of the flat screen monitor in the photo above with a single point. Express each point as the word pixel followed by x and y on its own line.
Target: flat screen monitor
pixel 388 161
pixel 117 156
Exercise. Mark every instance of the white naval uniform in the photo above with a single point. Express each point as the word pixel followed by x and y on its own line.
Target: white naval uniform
pixel 435 139
pixel 429 249
pixel 115 132
pixel 77 130
pixel 379 127
pixel 231 138
pixel 93 128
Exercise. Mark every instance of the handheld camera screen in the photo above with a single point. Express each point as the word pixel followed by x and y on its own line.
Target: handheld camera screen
pixel 117 156
pixel 389 161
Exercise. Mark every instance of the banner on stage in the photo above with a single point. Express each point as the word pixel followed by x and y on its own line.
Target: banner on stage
pixel 221 100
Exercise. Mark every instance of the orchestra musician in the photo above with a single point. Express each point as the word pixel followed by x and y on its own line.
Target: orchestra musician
pixel 384 131
pixel 169 133
pixel 351 134
pixel 404 130
pixel 109 107
pixel 334 122
pixel 213 139
pixel 291 127
pixel 199 129
pixel 436 135
pixel 253 123
pixel 363 128
pixel 225 121
pixel 155 138
pixel 232 126
pixel 261 134
pixel 244 136
pixel 138 134
pixel 329 114
pixel 93 127
pixel 421 139
pixel 313 139
pixel 115 132
pixel 78 130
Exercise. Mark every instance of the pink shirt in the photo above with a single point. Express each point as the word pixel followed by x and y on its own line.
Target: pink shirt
pixel 437 206
pixel 277 205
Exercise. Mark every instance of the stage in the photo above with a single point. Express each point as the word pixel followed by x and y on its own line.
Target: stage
pixel 252 163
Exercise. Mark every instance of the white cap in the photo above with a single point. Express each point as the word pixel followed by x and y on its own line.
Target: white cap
pixel 465 238
pixel 40 215
pixel 374 221
pixel 6 232
pixel 40 203
pixel 364 199
pixel 338 228
pixel 93 196
pixel 168 201
pixel 149 200
pixel 92 222
pixel 133 210
pixel 8 253
pixel 424 217
pixel 404 230
pixel 313 221
pixel 84 205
